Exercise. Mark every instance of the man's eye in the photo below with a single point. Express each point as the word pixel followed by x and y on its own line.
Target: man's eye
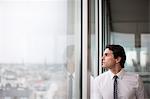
pixel 106 54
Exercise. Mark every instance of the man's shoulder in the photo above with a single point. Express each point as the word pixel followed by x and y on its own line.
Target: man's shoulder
pixel 102 76
pixel 132 75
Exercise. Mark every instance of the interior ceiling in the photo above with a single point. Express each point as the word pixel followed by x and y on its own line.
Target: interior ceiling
pixel 129 15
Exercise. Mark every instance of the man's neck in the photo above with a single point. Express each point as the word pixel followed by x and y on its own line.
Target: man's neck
pixel 116 69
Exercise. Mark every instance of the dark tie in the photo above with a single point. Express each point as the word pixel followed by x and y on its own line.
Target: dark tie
pixel 115 87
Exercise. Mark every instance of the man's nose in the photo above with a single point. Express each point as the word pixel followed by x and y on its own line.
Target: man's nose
pixel 102 58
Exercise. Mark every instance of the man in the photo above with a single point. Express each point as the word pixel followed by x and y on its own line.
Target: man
pixel 116 83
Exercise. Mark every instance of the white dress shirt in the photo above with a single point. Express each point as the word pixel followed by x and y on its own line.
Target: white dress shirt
pixel 130 86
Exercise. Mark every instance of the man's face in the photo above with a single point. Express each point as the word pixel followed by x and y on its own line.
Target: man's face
pixel 108 60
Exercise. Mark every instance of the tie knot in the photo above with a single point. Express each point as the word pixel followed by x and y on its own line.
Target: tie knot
pixel 115 77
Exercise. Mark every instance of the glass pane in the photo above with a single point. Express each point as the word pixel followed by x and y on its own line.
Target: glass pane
pixel 39 49
pixel 93 43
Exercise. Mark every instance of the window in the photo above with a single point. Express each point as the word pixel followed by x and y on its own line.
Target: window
pixel 40 49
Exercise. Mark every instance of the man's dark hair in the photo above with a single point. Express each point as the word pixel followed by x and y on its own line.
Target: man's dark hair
pixel 118 51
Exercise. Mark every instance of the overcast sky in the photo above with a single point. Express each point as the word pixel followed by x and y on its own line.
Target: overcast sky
pixel 32 31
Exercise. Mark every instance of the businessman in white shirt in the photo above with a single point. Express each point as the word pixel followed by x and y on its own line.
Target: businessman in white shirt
pixel 116 83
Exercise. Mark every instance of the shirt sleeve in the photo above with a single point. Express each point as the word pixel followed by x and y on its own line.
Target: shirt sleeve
pixel 140 89
pixel 96 94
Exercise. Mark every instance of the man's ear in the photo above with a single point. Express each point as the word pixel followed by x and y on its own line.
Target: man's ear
pixel 118 60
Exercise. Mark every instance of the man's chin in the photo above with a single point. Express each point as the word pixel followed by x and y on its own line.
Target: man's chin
pixel 105 67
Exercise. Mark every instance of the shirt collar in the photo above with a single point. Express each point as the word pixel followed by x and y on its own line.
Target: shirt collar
pixel 120 74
